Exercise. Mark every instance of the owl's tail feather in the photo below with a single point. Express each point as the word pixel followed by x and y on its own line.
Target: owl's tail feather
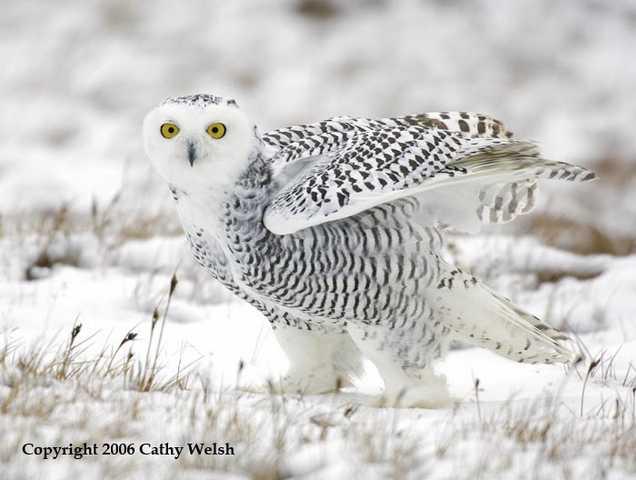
pixel 480 317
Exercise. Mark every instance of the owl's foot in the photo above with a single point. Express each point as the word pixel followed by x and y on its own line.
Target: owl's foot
pixel 417 396
pixel 404 386
pixel 252 379
pixel 423 389
pixel 308 382
pixel 319 362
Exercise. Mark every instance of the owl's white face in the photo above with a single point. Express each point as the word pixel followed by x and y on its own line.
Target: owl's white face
pixel 198 146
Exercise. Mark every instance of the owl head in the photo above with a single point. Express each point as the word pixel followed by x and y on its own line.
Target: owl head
pixel 198 142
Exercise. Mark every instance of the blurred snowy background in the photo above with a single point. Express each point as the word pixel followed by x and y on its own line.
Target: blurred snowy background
pixel 87 230
pixel 77 77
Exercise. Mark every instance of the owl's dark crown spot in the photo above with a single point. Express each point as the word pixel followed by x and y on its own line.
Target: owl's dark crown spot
pixel 201 100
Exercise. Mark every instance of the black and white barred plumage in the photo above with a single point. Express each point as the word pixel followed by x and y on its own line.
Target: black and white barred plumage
pixel 334 231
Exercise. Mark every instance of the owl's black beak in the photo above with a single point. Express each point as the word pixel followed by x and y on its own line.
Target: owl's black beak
pixel 192 153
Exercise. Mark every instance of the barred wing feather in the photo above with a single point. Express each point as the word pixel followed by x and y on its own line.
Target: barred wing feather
pixel 460 177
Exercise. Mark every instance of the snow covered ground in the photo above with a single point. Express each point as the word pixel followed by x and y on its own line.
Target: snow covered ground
pixel 88 236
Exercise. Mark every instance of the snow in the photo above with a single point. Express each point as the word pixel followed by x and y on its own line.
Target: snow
pixel 88 235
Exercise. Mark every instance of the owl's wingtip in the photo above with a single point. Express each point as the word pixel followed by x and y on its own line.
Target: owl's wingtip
pixel 589 176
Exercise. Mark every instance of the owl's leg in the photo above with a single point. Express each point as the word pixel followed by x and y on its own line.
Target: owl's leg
pixel 405 384
pixel 318 362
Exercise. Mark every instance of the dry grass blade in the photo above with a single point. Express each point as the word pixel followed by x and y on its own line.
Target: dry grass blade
pixel 590 370
pixel 149 375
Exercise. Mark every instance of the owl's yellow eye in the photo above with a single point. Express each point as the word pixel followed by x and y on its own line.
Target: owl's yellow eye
pixel 216 130
pixel 169 130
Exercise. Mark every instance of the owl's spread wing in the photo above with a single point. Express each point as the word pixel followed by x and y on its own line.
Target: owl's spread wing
pixel 351 165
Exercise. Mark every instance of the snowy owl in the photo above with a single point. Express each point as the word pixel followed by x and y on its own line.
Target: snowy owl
pixel 335 231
